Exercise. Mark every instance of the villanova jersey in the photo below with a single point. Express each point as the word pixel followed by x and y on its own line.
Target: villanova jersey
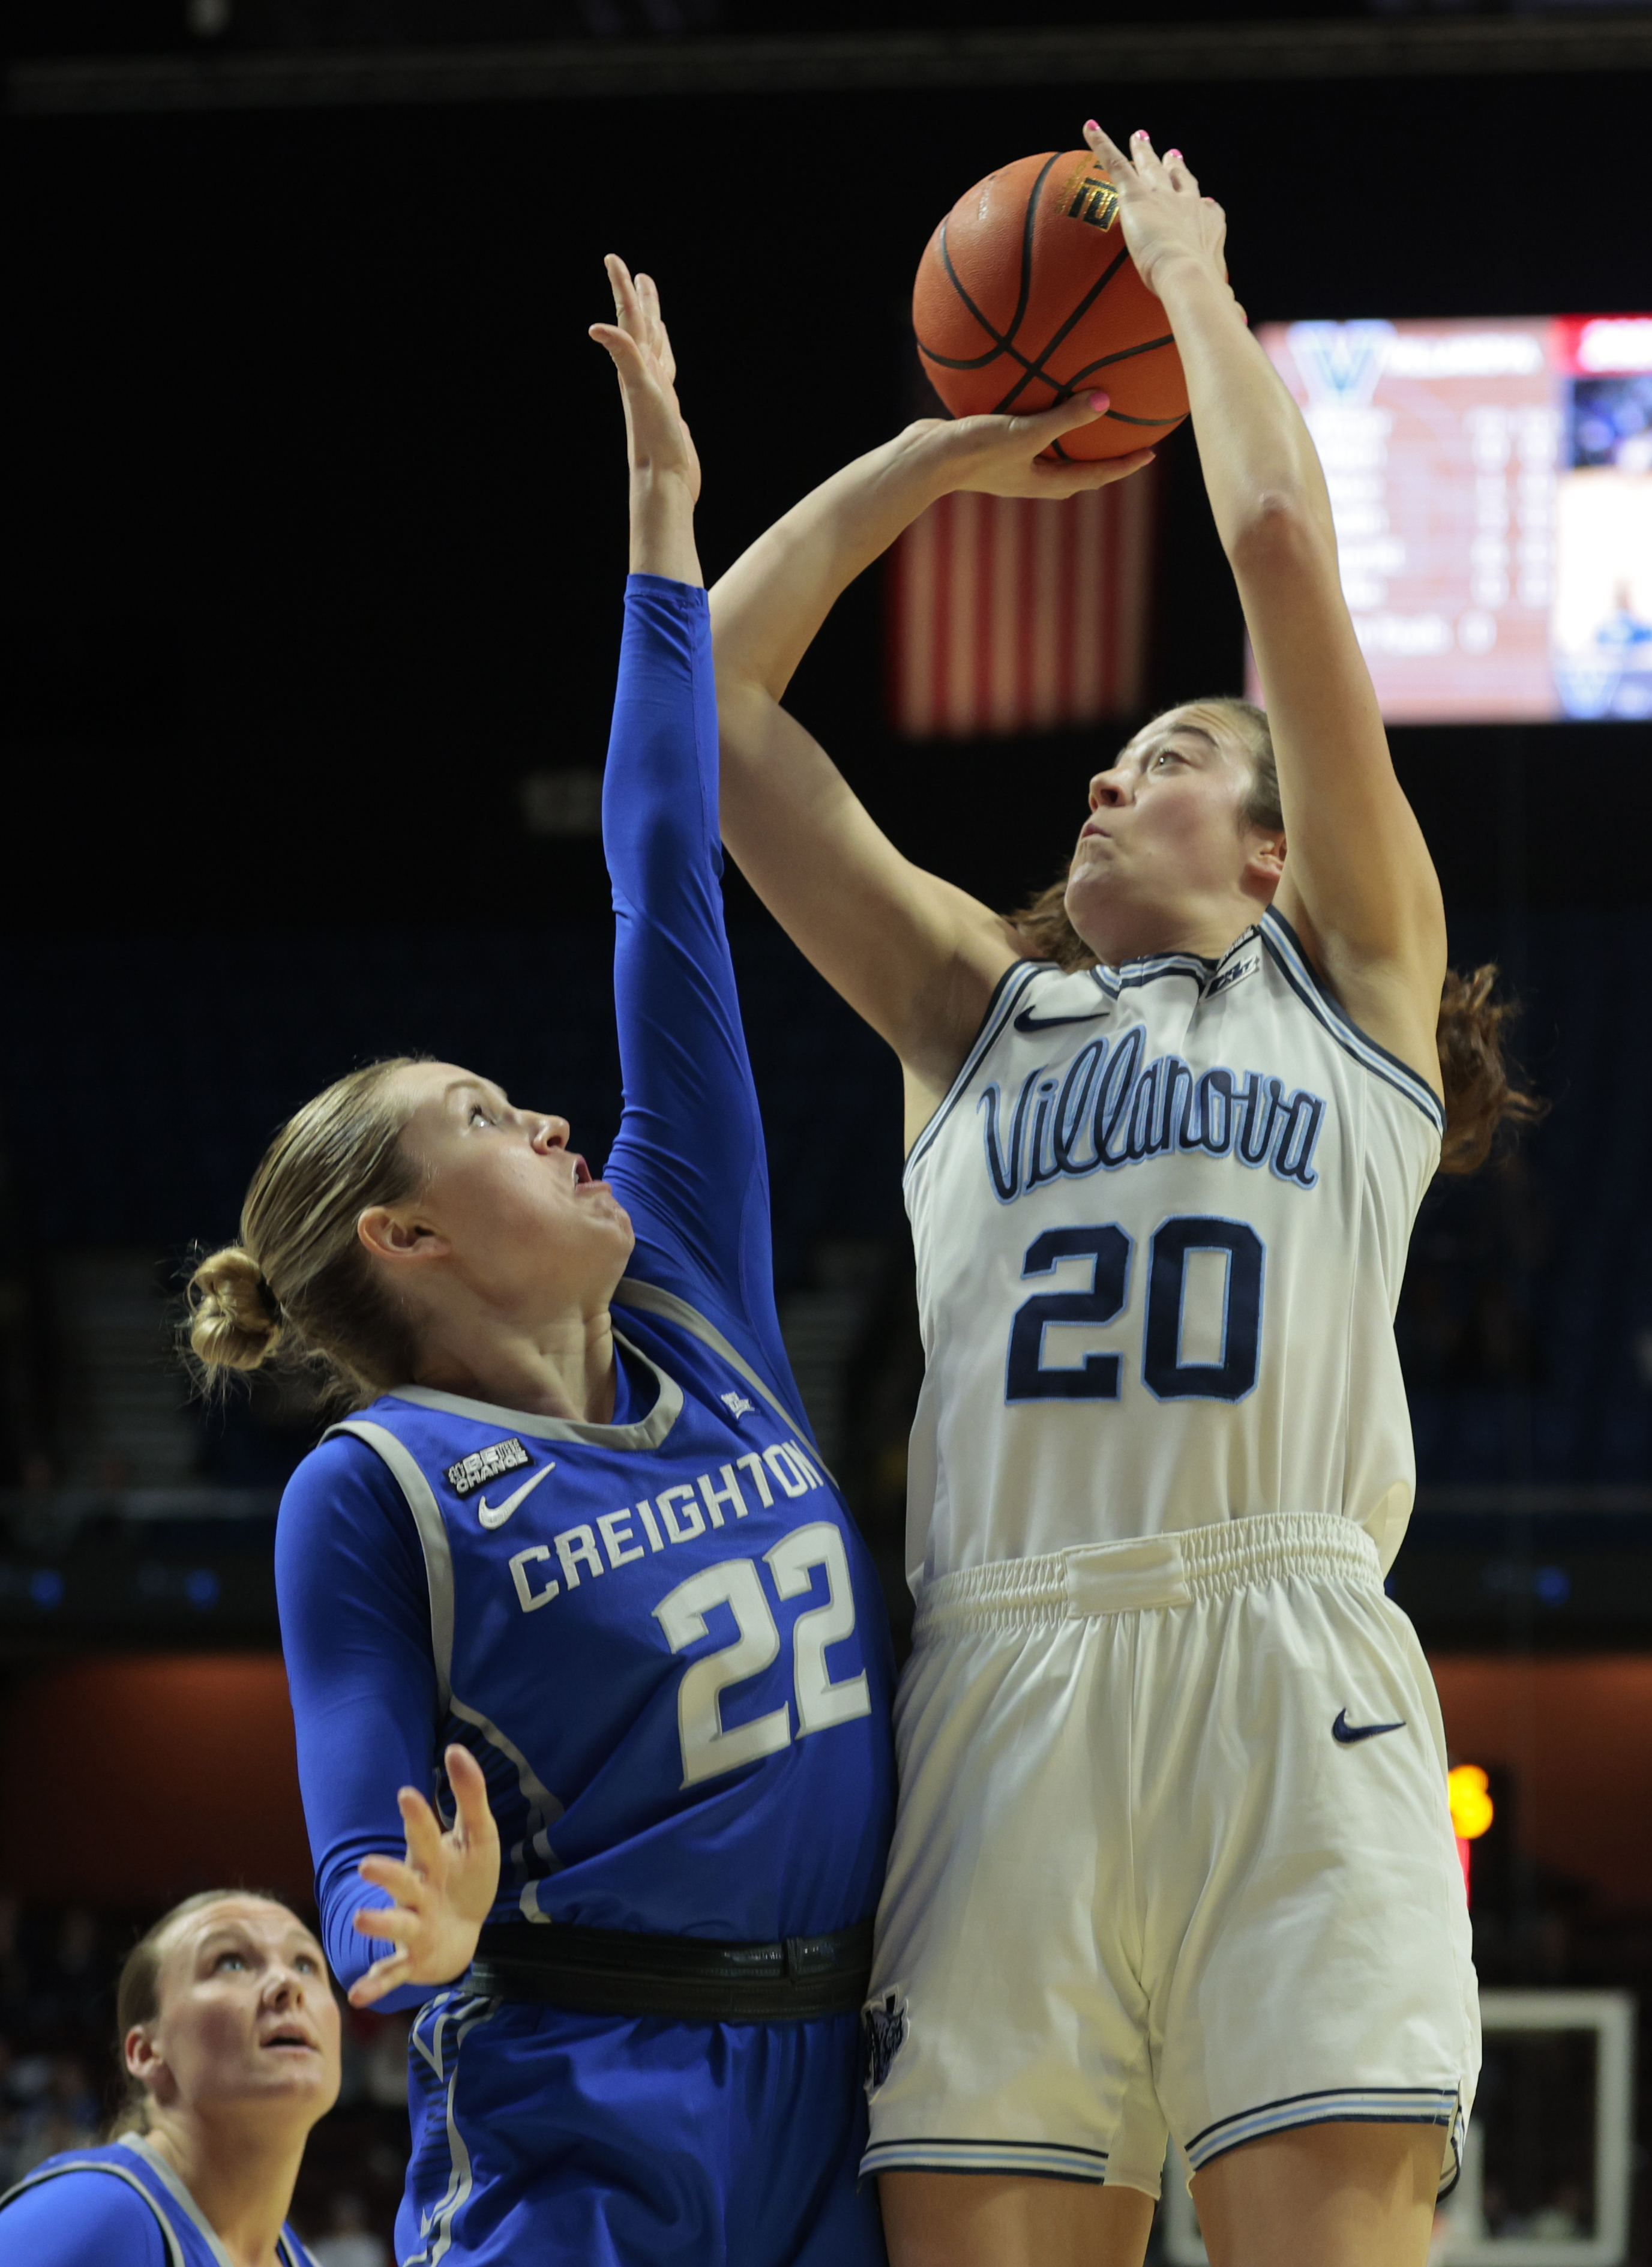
pixel 663 1640
pixel 1161 1221
pixel 59 2203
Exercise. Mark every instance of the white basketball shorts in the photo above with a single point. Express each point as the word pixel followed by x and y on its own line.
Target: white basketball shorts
pixel 1174 1855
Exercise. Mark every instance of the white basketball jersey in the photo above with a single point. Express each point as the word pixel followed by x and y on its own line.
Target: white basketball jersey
pixel 1161 1222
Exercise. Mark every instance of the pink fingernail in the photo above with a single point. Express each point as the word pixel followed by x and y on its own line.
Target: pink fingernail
pixel 1140 134
pixel 1169 154
pixel 1091 126
pixel 1097 401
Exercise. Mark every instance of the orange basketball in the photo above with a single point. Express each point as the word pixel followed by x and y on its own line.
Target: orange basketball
pixel 1026 294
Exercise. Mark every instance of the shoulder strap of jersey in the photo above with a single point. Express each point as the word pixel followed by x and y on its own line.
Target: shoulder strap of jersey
pixel 1284 948
pixel 169 2235
pixel 1010 988
pixel 433 1536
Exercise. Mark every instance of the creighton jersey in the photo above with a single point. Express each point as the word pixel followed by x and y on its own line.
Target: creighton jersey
pixel 1161 1222
pixel 662 1639
pixel 119 2203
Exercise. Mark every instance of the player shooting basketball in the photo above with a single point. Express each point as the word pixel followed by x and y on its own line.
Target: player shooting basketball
pixel 1173 1852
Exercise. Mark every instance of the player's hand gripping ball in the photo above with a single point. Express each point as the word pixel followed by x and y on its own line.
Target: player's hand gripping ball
pixel 1027 293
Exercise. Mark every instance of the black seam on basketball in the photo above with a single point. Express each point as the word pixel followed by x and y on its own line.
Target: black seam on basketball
pixel 1072 384
pixel 1003 342
pixel 999 345
pixel 976 361
pixel 1036 368
pixel 1028 219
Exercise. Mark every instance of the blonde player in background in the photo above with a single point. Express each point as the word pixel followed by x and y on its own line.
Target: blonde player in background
pixel 229 2040
pixel 1173 1851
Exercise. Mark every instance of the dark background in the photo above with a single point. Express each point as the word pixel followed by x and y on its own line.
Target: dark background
pixel 315 541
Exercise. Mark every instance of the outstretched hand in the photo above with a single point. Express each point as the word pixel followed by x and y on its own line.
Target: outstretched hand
pixel 1006 456
pixel 658 439
pixel 443 1888
pixel 1163 217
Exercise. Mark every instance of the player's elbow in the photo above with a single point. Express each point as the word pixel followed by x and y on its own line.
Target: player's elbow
pixel 1284 529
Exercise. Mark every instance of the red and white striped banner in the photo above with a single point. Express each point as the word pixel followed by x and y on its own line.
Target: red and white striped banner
pixel 1009 614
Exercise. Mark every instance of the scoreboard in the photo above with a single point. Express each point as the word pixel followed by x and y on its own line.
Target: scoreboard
pixel 1491 482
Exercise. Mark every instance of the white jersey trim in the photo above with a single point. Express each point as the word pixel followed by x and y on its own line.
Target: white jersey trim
pixel 1286 949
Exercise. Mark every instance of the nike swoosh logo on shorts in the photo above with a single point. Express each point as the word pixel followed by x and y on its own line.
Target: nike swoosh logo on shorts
pixel 1026 1021
pixel 1347 1734
pixel 495 1515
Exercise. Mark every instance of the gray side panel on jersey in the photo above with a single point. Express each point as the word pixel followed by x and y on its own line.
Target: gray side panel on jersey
pixel 653 1301
pixel 174 2249
pixel 465 2012
pixel 544 1810
pixel 433 1539
pixel 1012 987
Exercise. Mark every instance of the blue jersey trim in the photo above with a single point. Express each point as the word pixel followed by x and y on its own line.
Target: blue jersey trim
pixel 1286 949
pixel 1341 2105
pixel 1010 987
pixel 1042 2160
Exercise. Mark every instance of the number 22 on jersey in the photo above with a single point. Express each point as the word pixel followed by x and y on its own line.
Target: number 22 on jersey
pixel 707 1749
pixel 1109 1251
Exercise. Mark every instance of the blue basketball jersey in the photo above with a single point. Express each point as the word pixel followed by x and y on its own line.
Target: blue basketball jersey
pixel 70 2209
pixel 663 1640
pixel 661 1637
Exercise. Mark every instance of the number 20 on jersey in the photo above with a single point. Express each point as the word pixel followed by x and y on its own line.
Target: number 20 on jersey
pixel 1110 1252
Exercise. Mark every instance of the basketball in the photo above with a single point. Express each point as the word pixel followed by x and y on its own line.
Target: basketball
pixel 1027 293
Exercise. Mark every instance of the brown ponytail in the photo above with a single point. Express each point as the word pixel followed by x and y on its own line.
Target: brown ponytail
pixel 1479 1092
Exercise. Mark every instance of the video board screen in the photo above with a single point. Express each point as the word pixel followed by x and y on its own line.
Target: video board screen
pixel 1492 487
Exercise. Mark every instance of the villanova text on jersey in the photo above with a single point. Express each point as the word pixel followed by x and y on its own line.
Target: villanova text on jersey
pixel 1160 1224
pixel 1108 1108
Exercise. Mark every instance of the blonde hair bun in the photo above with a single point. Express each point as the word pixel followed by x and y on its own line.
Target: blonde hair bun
pixel 233 1321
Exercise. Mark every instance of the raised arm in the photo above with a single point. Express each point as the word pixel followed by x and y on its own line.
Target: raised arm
pixel 690 1161
pixel 1359 886
pixel 916 956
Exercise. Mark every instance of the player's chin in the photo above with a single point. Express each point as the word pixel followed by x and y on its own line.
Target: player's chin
pixel 605 1210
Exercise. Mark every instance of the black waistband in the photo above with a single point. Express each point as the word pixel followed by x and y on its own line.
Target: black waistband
pixel 621 1971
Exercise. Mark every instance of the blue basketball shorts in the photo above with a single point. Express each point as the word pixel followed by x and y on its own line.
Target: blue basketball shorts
pixel 541 2138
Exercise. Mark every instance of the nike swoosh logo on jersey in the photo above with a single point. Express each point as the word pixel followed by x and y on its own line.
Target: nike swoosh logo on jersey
pixel 495 1515
pixel 1026 1021
pixel 1347 1734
